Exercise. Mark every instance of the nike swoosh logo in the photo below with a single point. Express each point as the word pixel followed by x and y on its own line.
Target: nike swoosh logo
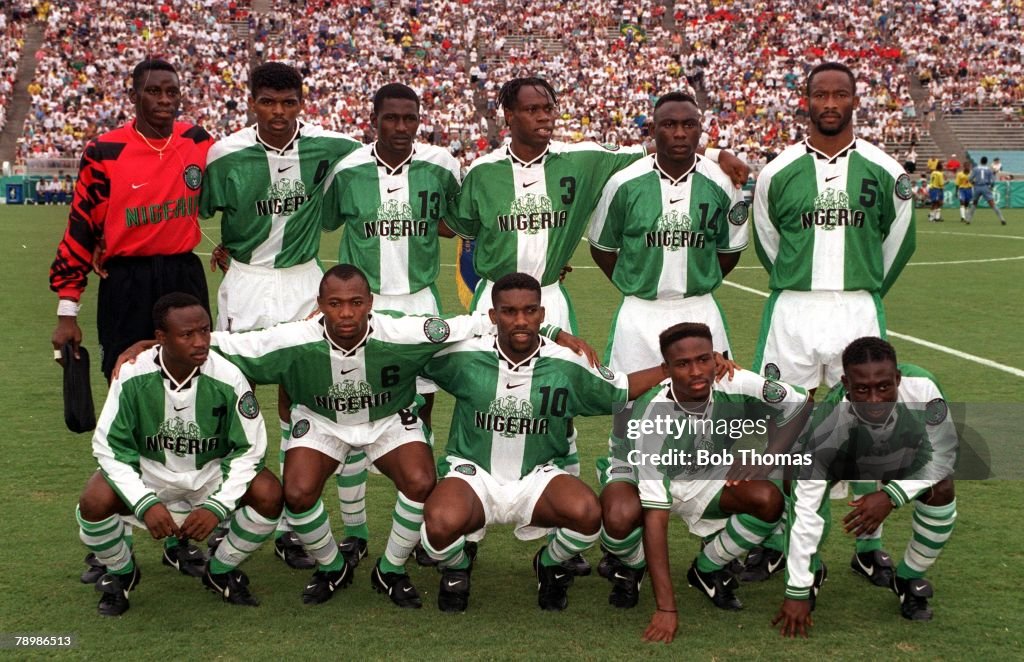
pixel 514 385
pixel 137 186
pixel 407 589
pixel 345 372
pixel 412 428
pixel 672 202
pixel 529 184
pixel 558 576
pixel 709 590
pixel 392 190
pixel 869 570
pixel 181 408
pixel 106 582
pixel 772 567
pixel 310 586
pixel 286 168
pixel 828 179
pixel 618 576
pixel 454 583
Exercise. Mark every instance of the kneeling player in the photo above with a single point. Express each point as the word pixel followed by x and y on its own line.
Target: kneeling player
pixel 180 444
pixel 508 444
pixel 717 502
pixel 884 422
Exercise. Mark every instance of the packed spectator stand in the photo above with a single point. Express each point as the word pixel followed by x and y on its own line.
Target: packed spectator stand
pixel 746 62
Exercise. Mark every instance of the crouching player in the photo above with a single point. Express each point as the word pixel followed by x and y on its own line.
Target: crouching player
pixel 504 463
pixel 701 419
pixel 180 444
pixel 884 422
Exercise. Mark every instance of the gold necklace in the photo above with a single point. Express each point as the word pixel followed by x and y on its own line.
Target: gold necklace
pixel 158 150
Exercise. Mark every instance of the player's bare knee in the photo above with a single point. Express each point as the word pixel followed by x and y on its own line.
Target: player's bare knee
pixel 265 495
pixel 443 523
pixel 763 500
pixel 418 484
pixel 621 512
pixel 98 500
pixel 300 497
pixel 941 494
pixel 583 515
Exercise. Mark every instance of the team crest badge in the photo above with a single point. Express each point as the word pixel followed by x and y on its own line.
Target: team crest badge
pixel 248 406
pixel 606 372
pixel 771 371
pixel 738 213
pixel 466 469
pixel 611 147
pixel 300 428
pixel 436 330
pixel 904 189
pixel 935 411
pixel 773 392
pixel 193 176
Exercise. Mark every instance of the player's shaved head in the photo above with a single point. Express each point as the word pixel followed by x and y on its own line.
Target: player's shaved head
pixel 344 272
pixel 149 64
pixel 394 91
pixel 168 302
pixel 514 281
pixel 276 76
pixel 868 349
pixel 508 95
pixel 678 332
pixel 832 66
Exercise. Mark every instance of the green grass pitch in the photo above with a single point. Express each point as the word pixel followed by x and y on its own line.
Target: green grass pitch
pixel 962 290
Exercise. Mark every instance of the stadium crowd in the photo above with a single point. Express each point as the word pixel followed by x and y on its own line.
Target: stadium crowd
pixel 12 38
pixel 610 59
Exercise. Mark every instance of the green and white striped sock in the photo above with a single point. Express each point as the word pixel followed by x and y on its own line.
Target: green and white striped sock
pixel 351 480
pixel 406 521
pixel 453 556
pixel 106 539
pixel 741 534
pixel 931 527
pixel 313 529
pixel 564 544
pixel 629 550
pixel 246 532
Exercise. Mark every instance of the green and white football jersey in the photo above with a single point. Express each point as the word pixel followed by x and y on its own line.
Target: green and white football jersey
pixel 734 405
pixel 530 218
pixel 920 424
pixel 511 418
pixel 390 216
pixel 151 433
pixel 270 200
pixel 668 233
pixel 842 223
pixel 367 383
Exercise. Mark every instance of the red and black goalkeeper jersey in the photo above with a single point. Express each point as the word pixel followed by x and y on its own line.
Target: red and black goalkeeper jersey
pixel 138 201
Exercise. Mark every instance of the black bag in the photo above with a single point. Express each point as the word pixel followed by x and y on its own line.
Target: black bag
pixel 79 412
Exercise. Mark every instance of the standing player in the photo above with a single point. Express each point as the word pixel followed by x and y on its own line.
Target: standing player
pixel 266 181
pixel 983 177
pixel 666 231
pixel 964 191
pixel 508 448
pixel 834 227
pixel 390 197
pixel 180 444
pixel 936 193
pixel 528 204
pixel 884 421
pixel 732 515
pixel 137 198
pixel 136 202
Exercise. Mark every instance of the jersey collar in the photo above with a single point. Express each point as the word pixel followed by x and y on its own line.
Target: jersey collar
pixel 271 148
pixel 175 385
pixel 387 168
pixel 338 348
pixel 526 164
pixel 674 181
pixel 825 157
pixel 512 365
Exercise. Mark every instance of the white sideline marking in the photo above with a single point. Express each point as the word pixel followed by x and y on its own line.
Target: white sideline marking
pixel 978 261
pixel 970 234
pixel 1017 372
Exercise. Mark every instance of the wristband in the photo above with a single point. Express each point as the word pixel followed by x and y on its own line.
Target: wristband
pixel 67 308
pixel 712 154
